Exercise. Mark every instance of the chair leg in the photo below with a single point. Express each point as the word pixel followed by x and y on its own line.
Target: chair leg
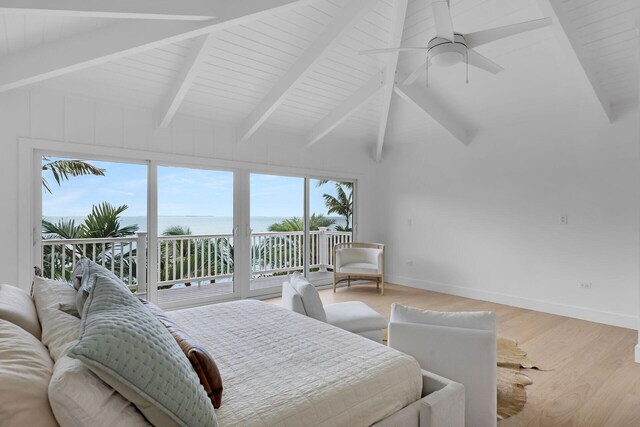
pixel 349 282
pixel 334 283
pixel 377 284
pixel 382 283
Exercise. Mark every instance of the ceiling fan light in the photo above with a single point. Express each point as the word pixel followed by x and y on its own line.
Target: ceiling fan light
pixel 447 59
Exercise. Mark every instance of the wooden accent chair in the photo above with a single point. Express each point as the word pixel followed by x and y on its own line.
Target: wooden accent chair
pixel 358 261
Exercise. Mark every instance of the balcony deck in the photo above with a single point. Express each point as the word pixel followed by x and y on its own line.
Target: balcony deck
pixel 185 296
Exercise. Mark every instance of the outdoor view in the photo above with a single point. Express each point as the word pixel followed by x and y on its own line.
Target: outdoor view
pixel 106 203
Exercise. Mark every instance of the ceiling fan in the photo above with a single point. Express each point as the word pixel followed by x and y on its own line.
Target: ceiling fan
pixel 449 48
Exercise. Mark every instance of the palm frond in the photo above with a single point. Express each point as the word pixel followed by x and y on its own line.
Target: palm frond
pixel 62 170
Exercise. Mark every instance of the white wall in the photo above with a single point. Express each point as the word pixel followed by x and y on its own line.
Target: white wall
pixel 484 221
pixel 43 113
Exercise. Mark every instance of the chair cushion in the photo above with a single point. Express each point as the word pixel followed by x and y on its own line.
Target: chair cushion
pixel 354 316
pixel 291 300
pixel 358 255
pixel 310 297
pixel 25 371
pixel 17 307
pixel 481 320
pixel 129 349
pixel 358 268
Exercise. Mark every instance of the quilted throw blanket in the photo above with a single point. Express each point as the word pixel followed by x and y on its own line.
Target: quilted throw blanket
pixel 280 368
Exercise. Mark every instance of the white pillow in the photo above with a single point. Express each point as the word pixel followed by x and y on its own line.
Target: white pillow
pixel 60 330
pixel 17 307
pixel 291 300
pixel 25 371
pixel 310 297
pixel 80 399
pixel 482 320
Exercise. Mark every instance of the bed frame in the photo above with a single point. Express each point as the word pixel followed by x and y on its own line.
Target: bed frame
pixel 442 405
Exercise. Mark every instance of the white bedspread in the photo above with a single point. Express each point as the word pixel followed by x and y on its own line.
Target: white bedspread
pixel 280 368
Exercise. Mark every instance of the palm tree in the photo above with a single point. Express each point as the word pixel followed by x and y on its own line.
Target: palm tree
pixel 342 204
pixel 62 170
pixel 102 222
pixel 217 252
pixel 297 224
pixel 287 250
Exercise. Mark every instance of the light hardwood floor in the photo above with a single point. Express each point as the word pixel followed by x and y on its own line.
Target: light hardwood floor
pixel 594 381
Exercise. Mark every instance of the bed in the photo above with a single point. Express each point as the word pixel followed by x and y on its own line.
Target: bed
pixel 279 368
pixel 283 368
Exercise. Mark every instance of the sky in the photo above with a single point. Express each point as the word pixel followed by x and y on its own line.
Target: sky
pixel 181 192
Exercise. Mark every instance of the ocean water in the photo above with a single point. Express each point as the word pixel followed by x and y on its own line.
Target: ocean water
pixel 197 224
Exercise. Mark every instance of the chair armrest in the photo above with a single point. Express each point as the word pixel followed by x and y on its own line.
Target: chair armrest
pixel 443 402
pixel 441 405
pixel 466 356
pixel 337 262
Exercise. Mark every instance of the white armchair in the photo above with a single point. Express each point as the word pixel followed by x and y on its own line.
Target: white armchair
pixel 353 316
pixel 358 261
pixel 458 346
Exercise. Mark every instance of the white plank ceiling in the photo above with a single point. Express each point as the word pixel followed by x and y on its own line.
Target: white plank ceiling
pixel 246 61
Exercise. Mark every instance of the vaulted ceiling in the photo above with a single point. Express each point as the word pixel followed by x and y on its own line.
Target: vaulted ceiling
pixel 293 66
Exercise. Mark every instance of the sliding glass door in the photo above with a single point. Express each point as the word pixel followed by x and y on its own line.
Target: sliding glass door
pixel 195 235
pixel 94 209
pixel 277 238
pixel 330 222
pixel 184 236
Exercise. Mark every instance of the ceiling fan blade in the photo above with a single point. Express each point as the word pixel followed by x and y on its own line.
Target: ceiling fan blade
pixel 442 17
pixel 487 36
pixel 483 62
pixel 416 73
pixel 391 50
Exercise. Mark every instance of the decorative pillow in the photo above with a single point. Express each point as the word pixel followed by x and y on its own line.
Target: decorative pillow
pixel 291 300
pixel 59 329
pixel 89 272
pixel 25 370
pixel 200 359
pixel 129 349
pixel 482 320
pixel 81 267
pixel 80 399
pixel 17 307
pixel 310 297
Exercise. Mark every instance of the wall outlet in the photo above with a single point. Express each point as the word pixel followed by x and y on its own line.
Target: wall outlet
pixel 564 219
pixel 586 285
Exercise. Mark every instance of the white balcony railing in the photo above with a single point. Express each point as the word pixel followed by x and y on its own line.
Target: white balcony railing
pixel 120 255
pixel 191 259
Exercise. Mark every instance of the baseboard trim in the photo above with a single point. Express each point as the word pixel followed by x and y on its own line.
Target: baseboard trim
pixel 582 313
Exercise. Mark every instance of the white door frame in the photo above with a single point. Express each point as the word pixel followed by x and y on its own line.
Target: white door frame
pixel 30 202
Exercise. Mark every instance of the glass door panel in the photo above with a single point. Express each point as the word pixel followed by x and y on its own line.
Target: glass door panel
pixel 195 235
pixel 98 210
pixel 330 222
pixel 277 230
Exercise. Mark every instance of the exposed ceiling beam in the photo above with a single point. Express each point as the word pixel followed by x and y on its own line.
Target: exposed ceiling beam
pixel 123 39
pixel 573 49
pixel 345 20
pixel 422 69
pixel 199 10
pixel 184 80
pixel 397 28
pixel 346 109
pixel 417 96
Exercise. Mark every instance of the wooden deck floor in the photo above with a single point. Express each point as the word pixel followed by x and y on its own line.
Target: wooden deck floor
pixel 193 294
pixel 595 382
